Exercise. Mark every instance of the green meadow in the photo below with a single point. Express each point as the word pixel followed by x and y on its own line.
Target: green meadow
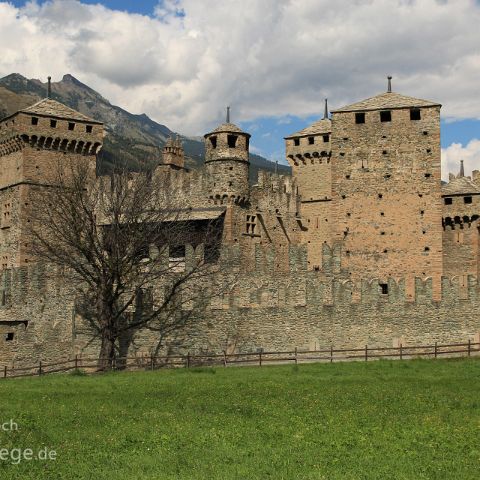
pixel 417 419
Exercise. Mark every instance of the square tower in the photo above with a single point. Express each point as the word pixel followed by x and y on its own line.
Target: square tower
pixel 33 143
pixel 386 187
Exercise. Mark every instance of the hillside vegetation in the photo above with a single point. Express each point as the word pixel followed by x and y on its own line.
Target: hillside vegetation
pixel 380 420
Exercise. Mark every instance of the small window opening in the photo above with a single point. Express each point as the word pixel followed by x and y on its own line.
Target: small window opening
pixel 88 129
pixel 347 177
pixel 380 195
pixel 422 212
pixel 344 196
pixel 415 114
pixel 384 152
pixel 176 258
pixel 9 336
pixel 251 224
pixel 34 121
pixel 429 150
pixel 382 233
pixel 385 251
pixel 382 214
pixel 232 141
pixel 360 117
pixel 428 175
pixel 384 288
pixel 326 138
pixel 425 132
pixel 311 140
pixel 213 141
pixel 467 199
pixel 53 123
pixel 386 116
pixel 296 142
pixel 427 249
pixel 71 126
pixel 448 201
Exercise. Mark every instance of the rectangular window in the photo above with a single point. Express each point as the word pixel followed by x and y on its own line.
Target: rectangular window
pixel 311 140
pixel 34 121
pixel 386 116
pixel 53 123
pixel 71 126
pixel 296 142
pixel 88 129
pixel 9 336
pixel 384 288
pixel 448 201
pixel 251 225
pixel 415 114
pixel 360 117
pixel 176 258
pixel 326 138
pixel 213 141
pixel 232 141
pixel 467 199
pixel 6 214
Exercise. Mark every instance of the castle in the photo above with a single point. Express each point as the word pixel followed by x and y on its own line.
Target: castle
pixel 361 245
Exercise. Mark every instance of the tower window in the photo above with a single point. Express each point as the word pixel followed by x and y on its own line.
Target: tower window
pixel 296 142
pixel 34 121
pixel 360 117
pixel 251 224
pixel 415 114
pixel 311 140
pixel 326 138
pixel 386 116
pixel 53 123
pixel 71 126
pixel 176 260
pixel 232 141
pixel 9 336
pixel 448 201
pixel 89 128
pixel 213 141
pixel 384 288
pixel 467 199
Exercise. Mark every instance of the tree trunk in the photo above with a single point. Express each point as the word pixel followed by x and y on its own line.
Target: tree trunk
pixel 107 353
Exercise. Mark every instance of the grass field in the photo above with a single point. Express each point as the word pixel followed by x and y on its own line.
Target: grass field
pixel 378 420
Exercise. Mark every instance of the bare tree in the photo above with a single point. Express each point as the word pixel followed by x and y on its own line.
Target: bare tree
pixel 122 239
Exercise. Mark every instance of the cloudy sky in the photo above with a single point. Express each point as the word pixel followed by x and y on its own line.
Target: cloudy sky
pixel 273 61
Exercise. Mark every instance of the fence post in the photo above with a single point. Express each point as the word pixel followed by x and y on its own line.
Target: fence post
pixel 401 352
pixel 469 347
pixel 366 353
pixel 224 358
pixel 436 349
pixel 40 368
pixel 331 353
pixel 296 360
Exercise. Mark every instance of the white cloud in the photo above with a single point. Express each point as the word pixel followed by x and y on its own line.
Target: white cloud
pixel 263 57
pixel 452 155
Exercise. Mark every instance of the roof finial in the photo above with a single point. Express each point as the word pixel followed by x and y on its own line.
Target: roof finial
pixel 389 90
pixel 49 87
pixel 228 114
pixel 462 170
pixel 325 113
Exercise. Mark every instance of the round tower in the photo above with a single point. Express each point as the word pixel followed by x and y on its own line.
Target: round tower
pixel 227 163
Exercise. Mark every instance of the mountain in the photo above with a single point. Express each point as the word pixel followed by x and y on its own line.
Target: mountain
pixel 133 140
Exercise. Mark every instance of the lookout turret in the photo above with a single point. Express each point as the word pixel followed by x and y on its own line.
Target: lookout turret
pixel 227 162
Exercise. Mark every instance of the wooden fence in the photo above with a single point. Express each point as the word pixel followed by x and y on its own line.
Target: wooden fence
pixel 258 358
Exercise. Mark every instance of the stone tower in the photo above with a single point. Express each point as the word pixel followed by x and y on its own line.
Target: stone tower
pixel 33 142
pixel 173 154
pixel 308 153
pixel 227 163
pixel 386 186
